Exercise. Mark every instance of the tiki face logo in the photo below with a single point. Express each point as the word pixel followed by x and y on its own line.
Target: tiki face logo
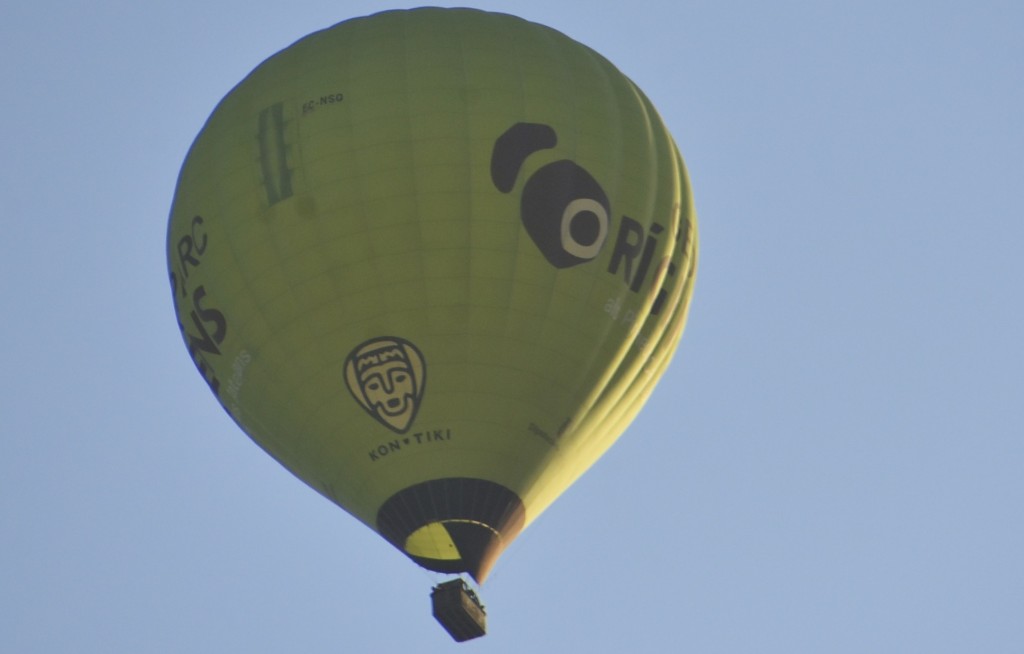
pixel 386 376
pixel 563 208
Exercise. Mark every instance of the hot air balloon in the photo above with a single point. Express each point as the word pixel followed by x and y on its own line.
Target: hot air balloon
pixel 433 262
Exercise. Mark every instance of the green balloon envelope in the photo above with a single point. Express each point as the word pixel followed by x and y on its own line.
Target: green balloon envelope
pixel 433 262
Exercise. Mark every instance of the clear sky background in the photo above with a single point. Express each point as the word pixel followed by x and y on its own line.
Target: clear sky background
pixel 833 463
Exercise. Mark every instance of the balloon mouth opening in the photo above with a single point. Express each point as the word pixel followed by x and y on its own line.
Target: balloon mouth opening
pixel 453 525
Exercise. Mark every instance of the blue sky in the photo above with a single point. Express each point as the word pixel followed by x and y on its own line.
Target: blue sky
pixel 831 464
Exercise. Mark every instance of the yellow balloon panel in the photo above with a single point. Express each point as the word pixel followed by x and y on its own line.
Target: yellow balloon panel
pixel 433 262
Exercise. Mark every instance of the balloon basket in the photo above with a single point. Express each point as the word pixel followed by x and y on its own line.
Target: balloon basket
pixel 459 610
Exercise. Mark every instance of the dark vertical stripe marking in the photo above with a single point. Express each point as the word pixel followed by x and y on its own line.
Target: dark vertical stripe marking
pixel 277 177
